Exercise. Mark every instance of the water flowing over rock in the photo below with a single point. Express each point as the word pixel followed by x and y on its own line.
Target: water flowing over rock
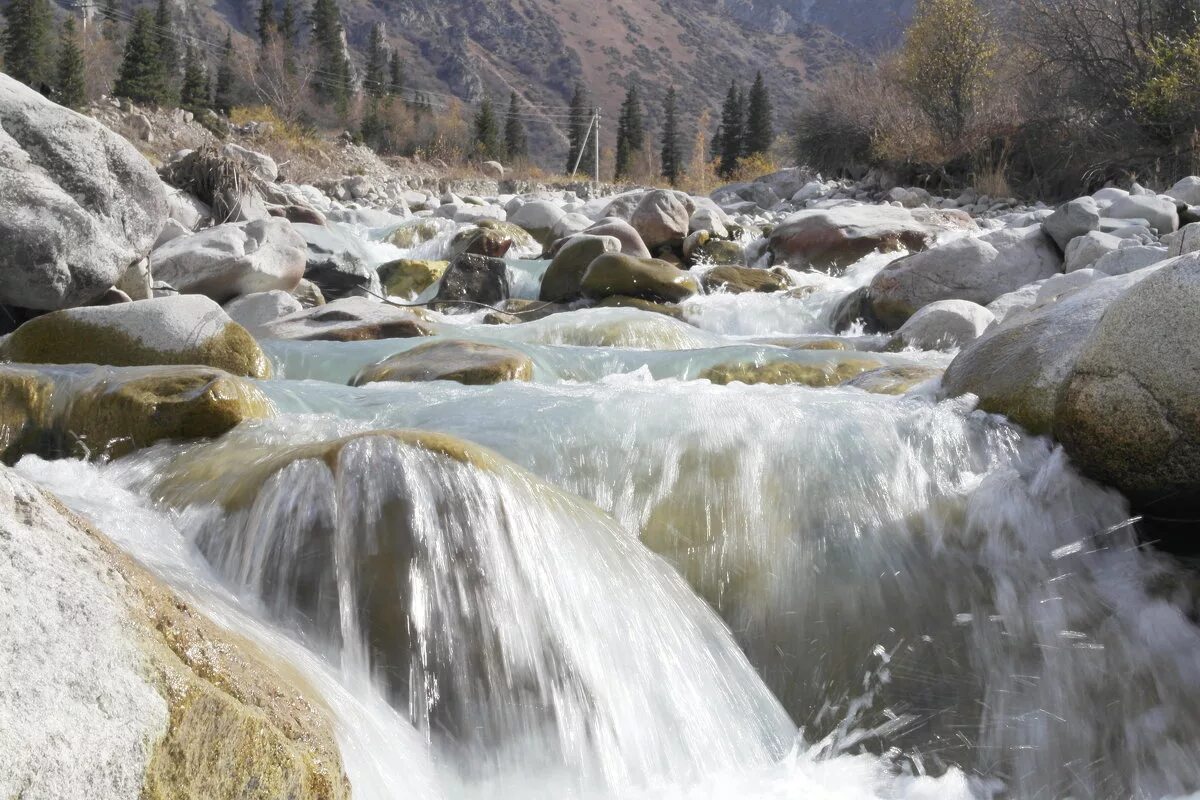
pixel 648 278
pixel 742 279
pixel 78 204
pixel 470 363
pixel 351 319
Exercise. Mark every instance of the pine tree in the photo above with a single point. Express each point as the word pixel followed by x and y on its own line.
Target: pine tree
pixel 111 23
pixel 515 146
pixel 759 134
pixel 70 90
pixel 193 96
pixel 487 131
pixel 396 75
pixel 631 133
pixel 289 25
pixel 266 21
pixel 332 66
pixel 731 131
pixel 223 99
pixel 671 157
pixel 142 77
pixel 168 50
pixel 375 81
pixel 577 132
pixel 27 42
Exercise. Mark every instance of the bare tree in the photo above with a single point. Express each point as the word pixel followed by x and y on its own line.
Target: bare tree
pixel 281 83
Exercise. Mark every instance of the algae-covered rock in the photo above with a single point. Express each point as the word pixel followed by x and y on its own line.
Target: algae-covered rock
pixel 563 278
pixel 183 329
pixel 711 250
pixel 736 280
pixel 351 319
pixel 408 277
pixel 415 232
pixel 124 689
pixel 25 410
pixel 893 380
pixel 471 363
pixel 120 411
pixel 816 375
pixel 647 278
pixel 621 301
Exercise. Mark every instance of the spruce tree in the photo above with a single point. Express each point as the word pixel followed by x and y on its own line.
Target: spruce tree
pixel 487 131
pixel 168 50
pixel 672 160
pixel 141 77
pixel 223 98
pixel 70 90
pixel 265 22
pixel 515 146
pixel 630 133
pixel 28 56
pixel 375 81
pixel 289 25
pixel 396 75
pixel 759 134
pixel 108 12
pixel 731 131
pixel 333 68
pixel 193 96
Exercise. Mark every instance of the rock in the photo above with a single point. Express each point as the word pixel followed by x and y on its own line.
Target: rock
pixel 1084 251
pixel 893 380
pixel 142 127
pixel 1058 286
pixel 515 310
pixel 408 277
pixel 262 166
pixel 647 278
pixel 492 169
pixel 1186 191
pixel 623 205
pixel 621 301
pixel 124 689
pixel 631 241
pixel 944 325
pixel 711 219
pixel 471 281
pixel 1187 240
pixel 1129 413
pixel 137 282
pixel 471 213
pixel 522 241
pixel 233 260
pixel 976 269
pixel 470 363
pixel 761 195
pixel 171 230
pixel 301 214
pixel 183 329
pixel 830 373
pixel 253 311
pixel 832 239
pixel 479 242
pixel 350 319
pixel 538 217
pixel 1160 212
pixel 309 294
pixel 735 280
pixel 661 219
pixel 1131 259
pixel 1019 368
pixel 709 250
pixel 26 411
pixel 571 224
pixel 563 278
pixel 418 231
pixel 338 263
pixel 78 204
pixel 189 212
pixel 855 309
pixel 1072 219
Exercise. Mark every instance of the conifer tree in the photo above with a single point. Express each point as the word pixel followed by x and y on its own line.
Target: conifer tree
pixel 109 11
pixel 671 156
pixel 516 147
pixel 141 77
pixel 289 25
pixel 577 132
pixel 168 50
pixel 223 98
pixel 70 90
pixel 396 75
pixel 731 131
pixel 266 22
pixel 631 130
pixel 375 81
pixel 28 56
pixel 487 131
pixel 193 96
pixel 333 68
pixel 759 134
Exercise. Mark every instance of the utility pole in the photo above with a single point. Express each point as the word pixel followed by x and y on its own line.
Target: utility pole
pixel 596 116
pixel 594 122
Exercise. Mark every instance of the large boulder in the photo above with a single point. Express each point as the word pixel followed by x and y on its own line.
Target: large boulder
pixel 1160 212
pixel 976 269
pixel 262 166
pixel 471 281
pixel 338 263
pixel 470 363
pixel 832 239
pixel 538 218
pixel 563 278
pixel 180 329
pixel 622 231
pixel 661 219
pixel 736 280
pixel 78 204
pixel 253 311
pixel 351 319
pixel 233 260
pixel 1072 219
pixel 1186 191
pixel 1084 251
pixel 116 687
pixel 647 278
pixel 944 325
pixel 1130 259
pixel 1129 413
pixel 1019 368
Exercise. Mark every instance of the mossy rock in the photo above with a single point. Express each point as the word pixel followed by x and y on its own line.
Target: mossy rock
pixel 647 278
pixel 408 277
pixel 563 278
pixel 620 301
pixel 520 237
pixel 25 411
pixel 718 251
pixel 893 380
pixel 480 242
pixel 183 329
pixel 123 412
pixel 470 363
pixel 736 280
pixel 411 234
pixel 781 373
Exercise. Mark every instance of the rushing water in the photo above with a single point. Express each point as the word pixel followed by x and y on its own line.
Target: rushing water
pixel 649 586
